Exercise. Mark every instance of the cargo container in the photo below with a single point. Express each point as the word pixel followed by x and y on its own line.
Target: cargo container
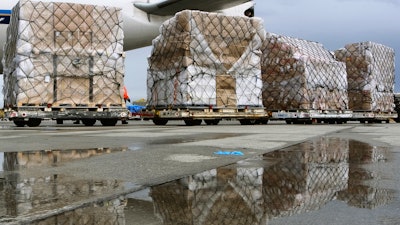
pixel 206 66
pixel 370 74
pixel 303 82
pixel 64 61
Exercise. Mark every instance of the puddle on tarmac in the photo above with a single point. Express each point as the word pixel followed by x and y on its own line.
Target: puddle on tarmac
pixel 322 181
pixel 22 193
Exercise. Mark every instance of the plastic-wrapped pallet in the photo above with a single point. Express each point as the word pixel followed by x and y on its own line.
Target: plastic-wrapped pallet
pixel 301 74
pixel 370 74
pixel 204 58
pixel 63 54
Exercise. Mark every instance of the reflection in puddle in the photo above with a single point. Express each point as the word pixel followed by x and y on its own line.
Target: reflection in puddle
pixel 299 179
pixel 23 160
pixel 293 181
pixel 22 194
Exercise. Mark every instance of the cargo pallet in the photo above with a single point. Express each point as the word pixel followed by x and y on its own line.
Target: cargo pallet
pixel 194 115
pixel 331 116
pixel 32 116
pixel 374 117
pixel 312 116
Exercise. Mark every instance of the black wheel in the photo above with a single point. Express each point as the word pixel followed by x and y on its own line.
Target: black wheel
pixel 60 121
pixel 33 122
pixel 191 122
pixel 19 123
pixel 108 122
pixel 288 121
pixel 91 122
pixel 212 122
pixel 247 122
pixel 160 121
pixel 264 121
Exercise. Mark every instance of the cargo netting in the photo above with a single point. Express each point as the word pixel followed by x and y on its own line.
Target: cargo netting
pixel 204 58
pixel 63 54
pixel 301 74
pixel 370 74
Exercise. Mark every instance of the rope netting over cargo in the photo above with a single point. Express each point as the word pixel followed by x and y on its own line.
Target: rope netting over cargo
pixel 204 58
pixel 301 74
pixel 370 73
pixel 63 54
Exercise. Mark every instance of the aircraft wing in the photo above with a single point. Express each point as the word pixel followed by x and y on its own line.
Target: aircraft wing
pixel 170 7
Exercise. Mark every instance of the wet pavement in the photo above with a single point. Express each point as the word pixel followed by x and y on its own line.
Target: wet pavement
pixel 347 176
pixel 301 184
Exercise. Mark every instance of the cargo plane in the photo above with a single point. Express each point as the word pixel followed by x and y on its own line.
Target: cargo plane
pixel 141 19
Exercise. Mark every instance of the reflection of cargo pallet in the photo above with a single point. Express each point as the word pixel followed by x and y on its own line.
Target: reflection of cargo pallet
pixel 194 115
pixel 371 117
pixel 312 116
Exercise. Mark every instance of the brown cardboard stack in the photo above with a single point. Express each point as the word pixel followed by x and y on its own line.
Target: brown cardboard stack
pixel 370 74
pixel 301 74
pixel 204 58
pixel 63 54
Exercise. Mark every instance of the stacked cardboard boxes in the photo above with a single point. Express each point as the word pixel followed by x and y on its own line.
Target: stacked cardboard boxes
pixel 301 74
pixel 63 54
pixel 370 74
pixel 204 58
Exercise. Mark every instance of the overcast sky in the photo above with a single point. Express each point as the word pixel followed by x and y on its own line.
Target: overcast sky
pixel 333 23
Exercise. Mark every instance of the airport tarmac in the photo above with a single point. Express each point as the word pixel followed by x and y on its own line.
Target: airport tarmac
pixel 134 157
